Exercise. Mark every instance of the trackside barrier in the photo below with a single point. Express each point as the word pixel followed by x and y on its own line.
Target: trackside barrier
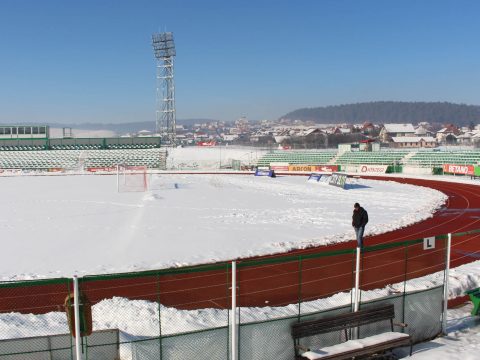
pixel 234 345
pixel 76 306
pixel 269 173
pixel 446 288
pixel 187 312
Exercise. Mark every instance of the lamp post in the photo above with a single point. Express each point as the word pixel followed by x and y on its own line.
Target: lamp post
pixel 164 51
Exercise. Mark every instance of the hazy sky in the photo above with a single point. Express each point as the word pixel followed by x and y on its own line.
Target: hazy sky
pixel 92 60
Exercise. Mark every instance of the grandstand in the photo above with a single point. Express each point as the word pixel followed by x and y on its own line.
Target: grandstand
pixel 151 158
pixel 75 159
pixel 39 160
pixel 333 157
pixel 29 147
pixel 376 157
pixel 297 157
pixel 414 158
pixel 435 159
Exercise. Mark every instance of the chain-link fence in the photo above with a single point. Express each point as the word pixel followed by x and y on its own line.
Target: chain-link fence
pixel 186 312
pixel 33 322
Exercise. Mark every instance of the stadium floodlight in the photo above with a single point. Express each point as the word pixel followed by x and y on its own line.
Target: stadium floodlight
pixel 163 45
pixel 164 51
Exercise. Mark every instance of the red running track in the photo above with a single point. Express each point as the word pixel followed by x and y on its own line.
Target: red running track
pixel 278 284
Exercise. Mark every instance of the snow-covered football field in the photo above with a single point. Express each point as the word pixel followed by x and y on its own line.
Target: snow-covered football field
pixel 62 225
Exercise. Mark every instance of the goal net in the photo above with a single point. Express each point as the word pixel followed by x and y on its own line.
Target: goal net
pixel 131 178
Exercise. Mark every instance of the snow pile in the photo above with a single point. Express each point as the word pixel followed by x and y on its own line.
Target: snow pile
pixel 15 325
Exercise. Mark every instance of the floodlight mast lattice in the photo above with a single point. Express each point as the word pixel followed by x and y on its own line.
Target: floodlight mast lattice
pixel 164 50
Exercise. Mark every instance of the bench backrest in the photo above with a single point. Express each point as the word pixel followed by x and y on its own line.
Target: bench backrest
pixel 343 321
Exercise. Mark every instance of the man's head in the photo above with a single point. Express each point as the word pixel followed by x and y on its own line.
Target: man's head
pixel 356 206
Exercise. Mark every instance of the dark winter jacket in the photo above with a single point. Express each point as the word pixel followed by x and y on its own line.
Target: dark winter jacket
pixel 360 217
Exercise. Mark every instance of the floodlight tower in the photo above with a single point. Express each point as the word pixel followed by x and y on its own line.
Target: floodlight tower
pixel 164 50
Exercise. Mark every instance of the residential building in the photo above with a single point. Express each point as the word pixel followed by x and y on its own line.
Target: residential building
pixel 413 142
pixel 390 131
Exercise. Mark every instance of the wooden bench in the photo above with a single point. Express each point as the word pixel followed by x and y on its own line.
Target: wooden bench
pixel 376 344
pixel 475 297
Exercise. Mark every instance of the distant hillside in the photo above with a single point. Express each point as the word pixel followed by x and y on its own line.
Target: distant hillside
pixel 390 112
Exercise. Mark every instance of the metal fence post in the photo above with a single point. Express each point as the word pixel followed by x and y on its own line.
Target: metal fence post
pixel 445 285
pixel 234 351
pixel 76 307
pixel 405 279
pixel 356 298
pixel 159 318
pixel 299 287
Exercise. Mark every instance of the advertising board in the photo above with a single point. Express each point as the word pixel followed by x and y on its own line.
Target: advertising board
pixel 326 168
pixel 313 168
pixel 11 171
pixel 373 169
pixel 299 167
pixel 269 173
pixel 325 179
pixel 459 169
pixel 102 169
pixel 315 177
pixel 350 168
pixel 338 179
pixel 279 166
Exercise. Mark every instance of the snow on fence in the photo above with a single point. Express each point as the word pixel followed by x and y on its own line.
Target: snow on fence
pixel 183 313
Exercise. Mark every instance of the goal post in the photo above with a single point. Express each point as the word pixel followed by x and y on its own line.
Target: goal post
pixel 131 178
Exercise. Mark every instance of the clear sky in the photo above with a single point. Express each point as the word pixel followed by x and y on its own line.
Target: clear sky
pixel 92 60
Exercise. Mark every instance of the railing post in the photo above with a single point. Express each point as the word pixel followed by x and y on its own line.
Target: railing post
pixel 445 285
pixel 76 307
pixel 356 297
pixel 299 287
pixel 356 294
pixel 234 344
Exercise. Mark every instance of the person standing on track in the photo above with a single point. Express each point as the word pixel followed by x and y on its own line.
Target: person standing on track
pixel 359 220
